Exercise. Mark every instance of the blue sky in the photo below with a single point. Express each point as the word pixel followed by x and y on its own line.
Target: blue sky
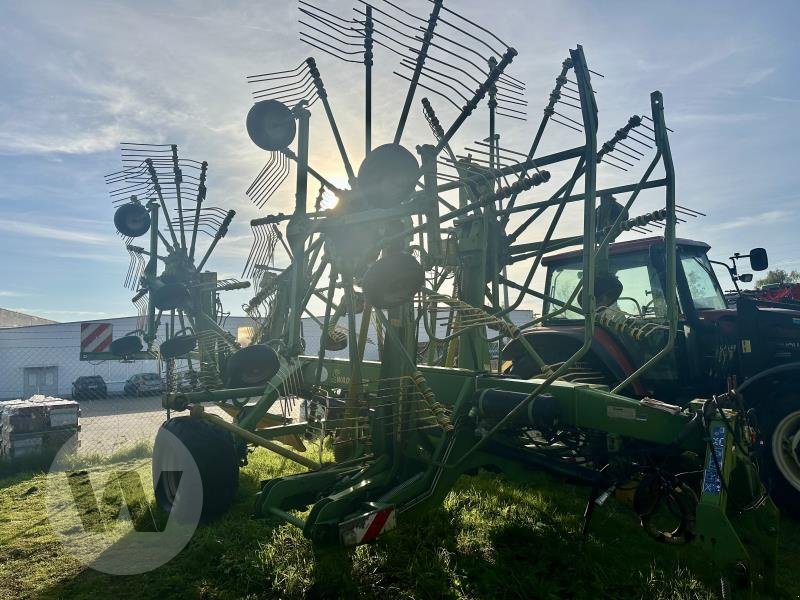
pixel 76 78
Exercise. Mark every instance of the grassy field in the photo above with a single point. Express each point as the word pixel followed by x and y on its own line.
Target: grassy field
pixel 490 539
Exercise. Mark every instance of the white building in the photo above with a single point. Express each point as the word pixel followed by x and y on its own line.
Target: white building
pixel 45 359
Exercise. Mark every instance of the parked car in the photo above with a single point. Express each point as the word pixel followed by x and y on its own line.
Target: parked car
pixel 89 386
pixel 143 384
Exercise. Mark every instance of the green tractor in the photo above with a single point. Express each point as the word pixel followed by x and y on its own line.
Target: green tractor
pixel 751 350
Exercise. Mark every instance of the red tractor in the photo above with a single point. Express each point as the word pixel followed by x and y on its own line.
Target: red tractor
pixel 753 348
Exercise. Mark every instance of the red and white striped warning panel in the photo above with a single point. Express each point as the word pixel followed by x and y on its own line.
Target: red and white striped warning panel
pixel 96 337
pixel 368 526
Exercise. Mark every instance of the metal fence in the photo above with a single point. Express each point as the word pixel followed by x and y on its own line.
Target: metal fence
pixel 119 401
pixel 119 404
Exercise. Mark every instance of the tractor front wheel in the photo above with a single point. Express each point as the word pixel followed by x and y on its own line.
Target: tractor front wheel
pixel 213 452
pixel 780 425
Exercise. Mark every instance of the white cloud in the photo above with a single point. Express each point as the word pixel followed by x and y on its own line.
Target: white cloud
pixel 758 75
pixel 783 99
pixel 716 118
pixel 53 233
pixel 765 218
pixel 22 139
pixel 106 258
pixel 61 314
pixel 707 60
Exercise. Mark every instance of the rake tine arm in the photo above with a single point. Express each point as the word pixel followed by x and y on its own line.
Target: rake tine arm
pixel 423 53
pixel 220 234
pixel 157 188
pixel 479 94
pixel 323 95
pixel 201 196
pixel 176 170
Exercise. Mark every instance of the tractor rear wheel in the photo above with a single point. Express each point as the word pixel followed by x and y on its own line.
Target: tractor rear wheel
pixel 522 367
pixel 779 421
pixel 214 453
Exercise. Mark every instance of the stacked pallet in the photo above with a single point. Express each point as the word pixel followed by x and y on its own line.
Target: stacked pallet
pixel 39 425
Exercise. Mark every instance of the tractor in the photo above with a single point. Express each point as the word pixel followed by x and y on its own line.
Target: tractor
pixel 751 350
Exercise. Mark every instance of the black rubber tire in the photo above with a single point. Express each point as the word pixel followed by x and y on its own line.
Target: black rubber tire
pixel 522 367
pixel 180 345
pixel 252 366
pixel 132 219
pixel 392 280
pixel 217 460
pixel 126 345
pixel 770 413
pixel 334 342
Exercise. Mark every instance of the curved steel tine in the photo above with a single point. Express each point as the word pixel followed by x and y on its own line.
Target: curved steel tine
pixel 424 87
pixel 288 73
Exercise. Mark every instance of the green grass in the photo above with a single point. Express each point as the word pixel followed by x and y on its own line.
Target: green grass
pixel 490 539
pixel 41 461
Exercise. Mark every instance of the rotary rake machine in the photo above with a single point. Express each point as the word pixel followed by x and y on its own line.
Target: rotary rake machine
pixel 431 239
pixel 160 194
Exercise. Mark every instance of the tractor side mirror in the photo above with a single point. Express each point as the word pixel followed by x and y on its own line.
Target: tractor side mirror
pixel 758 259
pixel 746 277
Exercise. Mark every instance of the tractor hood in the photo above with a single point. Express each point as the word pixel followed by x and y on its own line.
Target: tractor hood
pixel 769 333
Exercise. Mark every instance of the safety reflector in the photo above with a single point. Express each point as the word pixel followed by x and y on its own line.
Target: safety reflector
pixel 367 527
pixel 96 337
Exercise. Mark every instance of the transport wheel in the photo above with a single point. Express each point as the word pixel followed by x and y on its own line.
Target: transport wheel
pixel 213 451
pixel 779 421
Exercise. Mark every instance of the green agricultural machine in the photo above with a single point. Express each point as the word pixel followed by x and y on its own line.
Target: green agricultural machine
pixel 430 250
pixel 178 301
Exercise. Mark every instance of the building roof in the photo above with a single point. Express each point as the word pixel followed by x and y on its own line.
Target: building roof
pixel 12 318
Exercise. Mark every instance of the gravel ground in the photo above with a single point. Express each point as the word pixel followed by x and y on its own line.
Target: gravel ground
pixel 113 423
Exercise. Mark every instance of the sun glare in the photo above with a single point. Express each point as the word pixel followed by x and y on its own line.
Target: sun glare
pixel 329 200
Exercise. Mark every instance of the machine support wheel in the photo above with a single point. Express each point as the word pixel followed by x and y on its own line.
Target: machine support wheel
pixel 779 421
pixel 213 451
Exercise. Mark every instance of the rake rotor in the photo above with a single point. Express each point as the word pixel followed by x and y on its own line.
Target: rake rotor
pixel 156 186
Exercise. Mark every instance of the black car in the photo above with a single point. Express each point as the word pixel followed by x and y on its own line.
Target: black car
pixel 89 386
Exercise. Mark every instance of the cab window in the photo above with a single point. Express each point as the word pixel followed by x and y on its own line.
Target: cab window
pixel 642 295
pixel 563 281
pixel 703 285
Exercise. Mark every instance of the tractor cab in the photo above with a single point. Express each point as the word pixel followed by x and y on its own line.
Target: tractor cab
pixel 715 343
pixel 640 267
pixel 638 331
